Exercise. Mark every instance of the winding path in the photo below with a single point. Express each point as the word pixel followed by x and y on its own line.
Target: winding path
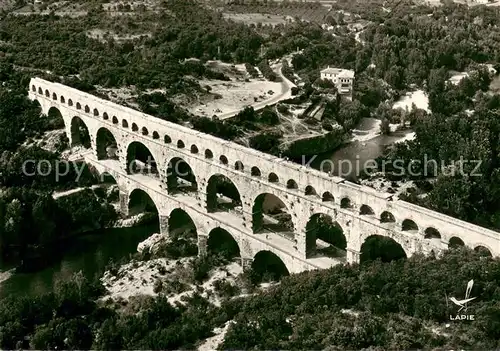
pixel 286 93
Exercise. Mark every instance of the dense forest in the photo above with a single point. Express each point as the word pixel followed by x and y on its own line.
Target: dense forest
pixel 385 305
pixel 411 47
pixel 32 222
pixel 395 305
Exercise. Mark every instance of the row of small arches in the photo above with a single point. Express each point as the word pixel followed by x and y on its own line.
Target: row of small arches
pixel 105 116
pixel 255 171
pixel 386 217
pixel 144 131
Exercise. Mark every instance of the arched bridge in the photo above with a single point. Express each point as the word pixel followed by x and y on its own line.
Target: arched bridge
pixel 265 203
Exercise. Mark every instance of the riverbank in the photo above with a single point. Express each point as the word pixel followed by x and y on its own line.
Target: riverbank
pixel 369 128
pixel 365 145
pixel 6 274
pixel 379 182
pixel 174 278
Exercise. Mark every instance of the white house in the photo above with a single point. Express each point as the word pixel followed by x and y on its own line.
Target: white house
pixel 342 78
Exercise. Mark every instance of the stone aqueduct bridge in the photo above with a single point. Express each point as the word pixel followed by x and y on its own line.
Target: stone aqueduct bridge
pixel 360 211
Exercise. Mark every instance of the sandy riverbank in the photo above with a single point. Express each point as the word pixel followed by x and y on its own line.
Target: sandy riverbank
pixel 141 277
pixel 417 97
pixel 369 128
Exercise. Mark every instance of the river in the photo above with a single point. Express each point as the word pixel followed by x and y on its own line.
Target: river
pixel 89 253
pixel 348 161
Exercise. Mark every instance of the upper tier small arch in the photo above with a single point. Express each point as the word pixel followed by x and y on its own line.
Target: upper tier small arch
pixel 387 217
pixel 345 202
pixel 273 178
pixel 327 197
pixel 209 154
pixel 255 172
pixel 366 210
pixel 409 225
pixel 483 251
pixel 238 165
pixel 432 233
pixel 310 191
pixel 455 242
pixel 223 159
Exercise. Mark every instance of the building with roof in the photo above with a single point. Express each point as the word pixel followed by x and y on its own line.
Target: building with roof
pixel 342 78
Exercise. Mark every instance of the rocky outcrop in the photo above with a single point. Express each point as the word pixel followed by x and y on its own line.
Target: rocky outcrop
pixel 151 243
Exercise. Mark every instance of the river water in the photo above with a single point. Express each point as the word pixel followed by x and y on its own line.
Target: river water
pixel 352 158
pixel 89 254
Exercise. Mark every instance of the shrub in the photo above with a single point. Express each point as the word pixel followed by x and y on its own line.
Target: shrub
pixel 158 287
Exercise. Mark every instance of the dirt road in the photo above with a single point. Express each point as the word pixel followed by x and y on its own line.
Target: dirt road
pixel 285 93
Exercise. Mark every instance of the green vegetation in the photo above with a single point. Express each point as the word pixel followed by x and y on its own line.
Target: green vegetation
pixel 348 307
pixel 416 47
pixel 63 46
pixel 389 303
pixel 251 70
pixel 465 148
pixel 20 119
pixel 267 71
pixel 33 224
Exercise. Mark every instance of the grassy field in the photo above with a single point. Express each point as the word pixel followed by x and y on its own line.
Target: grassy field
pixel 309 12
pixel 254 18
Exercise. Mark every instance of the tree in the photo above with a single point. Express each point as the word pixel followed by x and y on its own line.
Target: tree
pixel 451 195
pixel 13 223
pixel 350 114
pixel 437 80
pixel 45 213
pixel 385 128
pixel 110 336
pixel 269 116
pixel 395 77
pixel 267 142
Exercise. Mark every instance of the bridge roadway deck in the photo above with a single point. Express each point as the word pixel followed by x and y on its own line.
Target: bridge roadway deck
pixel 150 184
